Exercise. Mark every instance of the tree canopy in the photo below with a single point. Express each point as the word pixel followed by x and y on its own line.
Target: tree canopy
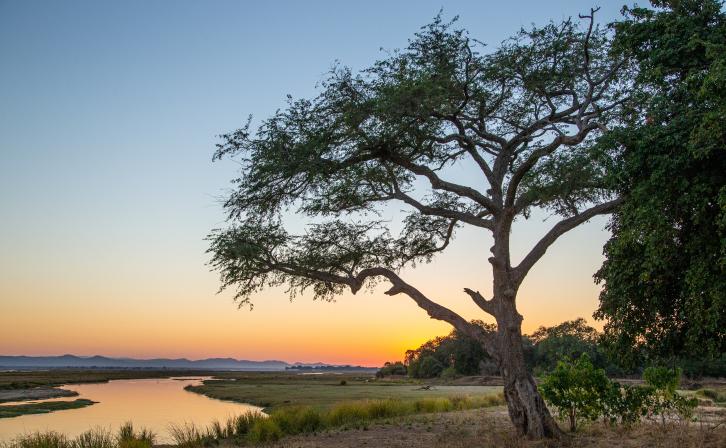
pixel 520 114
pixel 524 117
pixel 664 278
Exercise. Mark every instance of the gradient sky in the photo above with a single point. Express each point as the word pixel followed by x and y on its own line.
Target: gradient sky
pixel 109 113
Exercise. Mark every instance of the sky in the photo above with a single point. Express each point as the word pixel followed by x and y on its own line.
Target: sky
pixel 109 113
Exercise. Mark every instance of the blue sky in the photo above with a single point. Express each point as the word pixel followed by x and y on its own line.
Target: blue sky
pixel 109 113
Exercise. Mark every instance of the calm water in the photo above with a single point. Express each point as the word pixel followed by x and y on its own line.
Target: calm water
pixel 150 403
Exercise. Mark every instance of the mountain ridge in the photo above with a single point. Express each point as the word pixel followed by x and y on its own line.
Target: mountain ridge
pixel 98 361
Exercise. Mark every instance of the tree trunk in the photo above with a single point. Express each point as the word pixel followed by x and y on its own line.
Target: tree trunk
pixel 527 409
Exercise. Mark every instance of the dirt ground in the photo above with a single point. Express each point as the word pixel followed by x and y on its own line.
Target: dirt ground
pixel 491 428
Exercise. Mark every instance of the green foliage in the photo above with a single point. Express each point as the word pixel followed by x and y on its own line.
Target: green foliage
pixel 717 396
pixel 391 368
pixel 577 389
pixel 42 407
pixel 664 278
pixel 626 404
pixel 665 400
pixel 265 430
pixel 456 354
pixel 570 339
pixel 582 392
pixel 335 161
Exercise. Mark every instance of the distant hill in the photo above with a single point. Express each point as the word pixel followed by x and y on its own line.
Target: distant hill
pixel 103 362
pixel 72 361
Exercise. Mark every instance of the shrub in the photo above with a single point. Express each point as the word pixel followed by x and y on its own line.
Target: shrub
pixel 392 368
pixel 264 430
pixel 665 401
pixel 712 394
pixel 449 373
pixel 626 404
pixel 297 419
pixel 388 408
pixel 244 422
pixel 577 389
pixel 347 414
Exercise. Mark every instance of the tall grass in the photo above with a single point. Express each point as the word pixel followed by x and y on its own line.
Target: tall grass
pixel 126 437
pixel 256 427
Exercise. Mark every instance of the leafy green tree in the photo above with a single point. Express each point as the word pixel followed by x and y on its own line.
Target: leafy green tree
pixel 664 278
pixel 523 117
pixel 458 352
pixel 392 368
pixel 569 339
pixel 577 389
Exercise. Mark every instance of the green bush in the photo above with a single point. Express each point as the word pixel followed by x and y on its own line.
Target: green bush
pixel 449 373
pixel 714 395
pixel 345 414
pixel 664 400
pixel 626 404
pixel 577 389
pixel 264 430
pixel 298 419
pixel 392 368
pixel 244 422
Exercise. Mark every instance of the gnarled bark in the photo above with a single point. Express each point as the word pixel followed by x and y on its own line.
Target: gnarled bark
pixel 527 409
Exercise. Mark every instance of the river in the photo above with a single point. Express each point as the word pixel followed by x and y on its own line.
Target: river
pixel 150 403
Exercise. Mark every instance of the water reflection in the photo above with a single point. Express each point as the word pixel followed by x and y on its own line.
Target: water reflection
pixel 150 403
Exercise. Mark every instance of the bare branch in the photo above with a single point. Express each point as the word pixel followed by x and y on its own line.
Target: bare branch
pixel 484 304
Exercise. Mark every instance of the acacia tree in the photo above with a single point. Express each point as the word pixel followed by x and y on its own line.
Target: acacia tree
pixel 524 116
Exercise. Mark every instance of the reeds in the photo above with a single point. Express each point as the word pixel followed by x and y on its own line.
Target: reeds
pixel 126 437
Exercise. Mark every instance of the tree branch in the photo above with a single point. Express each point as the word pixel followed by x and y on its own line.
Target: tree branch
pixel 484 304
pixel 443 212
pixel 560 228
pixel 438 184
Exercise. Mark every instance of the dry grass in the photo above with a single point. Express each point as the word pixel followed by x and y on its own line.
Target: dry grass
pixel 491 428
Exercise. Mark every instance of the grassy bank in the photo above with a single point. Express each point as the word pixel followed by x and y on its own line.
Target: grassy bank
pixel 7 411
pixel 323 391
pixel 255 427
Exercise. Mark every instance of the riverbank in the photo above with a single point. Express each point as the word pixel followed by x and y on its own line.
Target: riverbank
pixel 35 393
pixel 16 410
pixel 273 391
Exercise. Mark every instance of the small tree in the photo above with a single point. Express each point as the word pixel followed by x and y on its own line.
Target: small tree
pixel 577 389
pixel 664 400
pixel 524 118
